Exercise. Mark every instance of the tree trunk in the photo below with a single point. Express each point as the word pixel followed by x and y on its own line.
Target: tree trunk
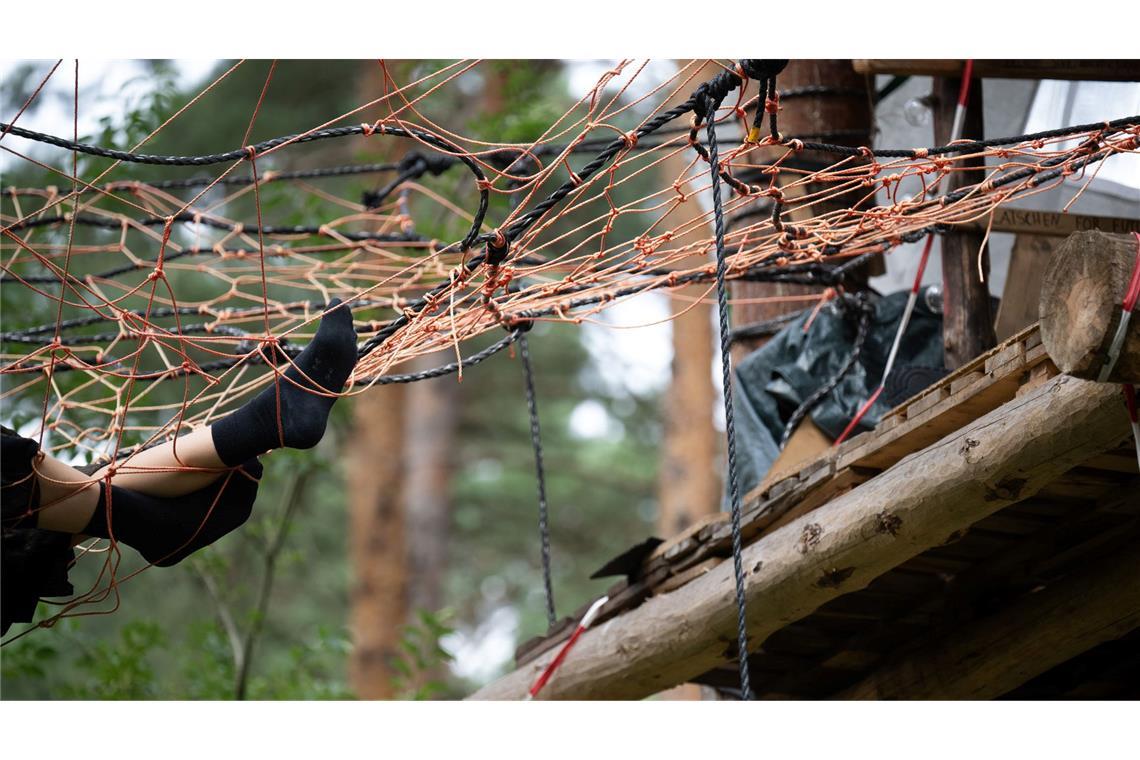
pixel 375 479
pixel 689 480
pixel 428 454
pixel 377 548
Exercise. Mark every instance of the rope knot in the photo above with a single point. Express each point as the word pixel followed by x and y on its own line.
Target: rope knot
pixel 497 248
pixel 762 68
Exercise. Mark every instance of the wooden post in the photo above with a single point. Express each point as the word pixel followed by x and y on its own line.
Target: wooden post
pixel 428 452
pixel 1081 299
pixel 999 653
pixel 967 321
pixel 1012 453
pixel 843 116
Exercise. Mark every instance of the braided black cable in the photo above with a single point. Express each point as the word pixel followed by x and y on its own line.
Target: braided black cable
pixel 261 147
pixel 865 311
pixel 540 477
pixel 963 146
pixel 729 422
pixel 447 369
pixel 193 217
pixel 764 328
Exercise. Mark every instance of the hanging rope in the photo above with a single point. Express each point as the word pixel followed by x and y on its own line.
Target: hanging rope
pixel 710 104
pixel 540 472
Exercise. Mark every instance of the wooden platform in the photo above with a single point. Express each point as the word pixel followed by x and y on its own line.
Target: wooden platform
pixel 1090 512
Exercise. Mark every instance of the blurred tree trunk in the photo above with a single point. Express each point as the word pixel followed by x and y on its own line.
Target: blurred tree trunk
pixel 376 484
pixel 428 453
pixel 689 482
pixel 377 546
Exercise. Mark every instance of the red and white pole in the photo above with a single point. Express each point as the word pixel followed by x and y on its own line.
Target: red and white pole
pixel 587 619
pixel 955 134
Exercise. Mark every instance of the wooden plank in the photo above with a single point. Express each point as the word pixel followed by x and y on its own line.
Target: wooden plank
pixel 1103 70
pixel 680 579
pixel 972 370
pixel 1053 223
pixel 805 444
pixel 677 636
pixel 1022 291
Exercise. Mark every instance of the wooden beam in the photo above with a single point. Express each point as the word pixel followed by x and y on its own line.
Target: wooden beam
pixel 999 459
pixel 1082 70
pixel 1081 299
pixel 997 654
pixel 967 322
pixel 1053 223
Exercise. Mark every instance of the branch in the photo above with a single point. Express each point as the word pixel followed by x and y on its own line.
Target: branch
pixel 293 494
pixel 224 615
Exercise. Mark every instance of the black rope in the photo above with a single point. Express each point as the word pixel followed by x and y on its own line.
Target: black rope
pixel 253 151
pixel 540 476
pixel 963 146
pixel 710 107
pixel 764 328
pixel 865 309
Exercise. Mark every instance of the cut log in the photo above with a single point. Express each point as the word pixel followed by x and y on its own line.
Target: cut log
pixel 998 654
pixel 999 459
pixel 1081 299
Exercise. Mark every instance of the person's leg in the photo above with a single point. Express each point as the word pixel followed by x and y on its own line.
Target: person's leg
pixel 163 530
pixel 67 496
pixel 174 468
pixel 293 411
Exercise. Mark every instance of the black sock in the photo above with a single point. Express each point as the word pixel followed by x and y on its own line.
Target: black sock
pixel 328 360
pixel 167 530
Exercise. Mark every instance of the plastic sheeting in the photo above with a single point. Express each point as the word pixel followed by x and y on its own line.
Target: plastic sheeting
pixel 774 380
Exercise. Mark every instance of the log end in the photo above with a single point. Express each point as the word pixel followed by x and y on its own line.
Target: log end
pixel 1081 297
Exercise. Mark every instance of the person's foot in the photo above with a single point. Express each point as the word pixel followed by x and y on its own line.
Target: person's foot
pixel 294 411
pixel 167 530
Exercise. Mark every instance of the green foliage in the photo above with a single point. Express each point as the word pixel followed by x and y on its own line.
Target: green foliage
pixel 421 655
pixel 119 668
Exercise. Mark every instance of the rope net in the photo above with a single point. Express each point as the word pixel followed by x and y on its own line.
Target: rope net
pixel 175 299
